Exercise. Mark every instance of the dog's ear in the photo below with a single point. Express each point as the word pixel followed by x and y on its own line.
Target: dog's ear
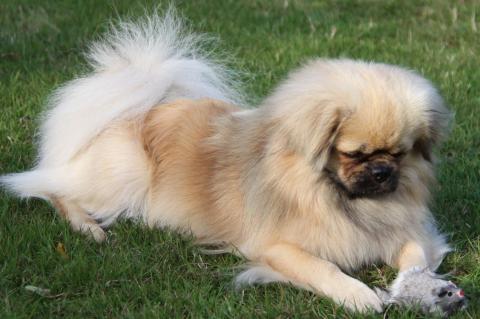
pixel 438 127
pixel 423 146
pixel 328 127
pixel 311 132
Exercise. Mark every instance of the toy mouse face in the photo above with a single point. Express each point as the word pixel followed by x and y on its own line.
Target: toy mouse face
pixel 450 298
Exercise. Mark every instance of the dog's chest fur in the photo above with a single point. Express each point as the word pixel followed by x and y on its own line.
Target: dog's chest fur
pixel 354 238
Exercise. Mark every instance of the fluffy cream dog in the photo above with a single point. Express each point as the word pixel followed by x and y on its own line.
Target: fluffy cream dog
pixel 331 172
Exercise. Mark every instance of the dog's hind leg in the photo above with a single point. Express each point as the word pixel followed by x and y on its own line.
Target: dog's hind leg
pixel 78 218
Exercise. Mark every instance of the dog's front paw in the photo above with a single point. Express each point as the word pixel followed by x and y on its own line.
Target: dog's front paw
pixel 356 296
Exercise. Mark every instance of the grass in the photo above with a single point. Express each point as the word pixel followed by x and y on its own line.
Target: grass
pixel 145 273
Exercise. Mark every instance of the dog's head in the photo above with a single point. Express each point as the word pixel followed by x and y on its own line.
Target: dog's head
pixel 368 127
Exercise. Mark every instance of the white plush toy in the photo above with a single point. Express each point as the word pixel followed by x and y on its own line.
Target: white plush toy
pixel 419 287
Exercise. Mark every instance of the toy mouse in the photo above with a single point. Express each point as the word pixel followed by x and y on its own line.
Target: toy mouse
pixel 417 287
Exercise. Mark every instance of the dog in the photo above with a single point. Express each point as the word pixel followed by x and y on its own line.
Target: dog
pixel 331 172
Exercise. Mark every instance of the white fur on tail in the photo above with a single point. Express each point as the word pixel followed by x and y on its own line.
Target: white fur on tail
pixel 135 67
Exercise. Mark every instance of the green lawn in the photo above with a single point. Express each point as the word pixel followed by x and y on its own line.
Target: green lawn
pixel 146 273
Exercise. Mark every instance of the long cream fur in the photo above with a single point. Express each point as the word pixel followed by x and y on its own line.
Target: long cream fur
pixel 153 133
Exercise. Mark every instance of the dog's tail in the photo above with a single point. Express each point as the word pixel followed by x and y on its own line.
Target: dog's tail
pixel 35 183
pixel 136 66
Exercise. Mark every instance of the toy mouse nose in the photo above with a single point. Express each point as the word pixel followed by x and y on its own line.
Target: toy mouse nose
pixel 461 293
pixel 381 172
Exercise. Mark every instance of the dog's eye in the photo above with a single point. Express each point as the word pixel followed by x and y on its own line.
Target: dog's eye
pixel 356 154
pixel 398 154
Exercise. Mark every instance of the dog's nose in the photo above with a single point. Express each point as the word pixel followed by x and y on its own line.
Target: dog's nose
pixel 381 172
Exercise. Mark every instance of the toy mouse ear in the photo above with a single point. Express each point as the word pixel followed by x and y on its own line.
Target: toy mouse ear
pixel 443 291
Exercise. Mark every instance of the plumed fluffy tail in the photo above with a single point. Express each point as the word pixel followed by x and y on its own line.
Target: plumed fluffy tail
pixel 37 183
pixel 135 66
